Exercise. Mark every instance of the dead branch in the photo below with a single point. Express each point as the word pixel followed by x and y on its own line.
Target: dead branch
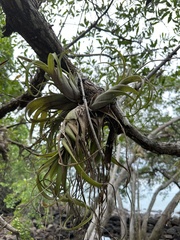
pixel 8 226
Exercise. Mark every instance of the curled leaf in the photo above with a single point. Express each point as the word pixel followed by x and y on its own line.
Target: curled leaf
pixel 110 95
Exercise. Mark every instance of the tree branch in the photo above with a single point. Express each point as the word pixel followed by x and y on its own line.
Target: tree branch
pixel 160 128
pixel 153 199
pixel 156 233
pixel 166 175
pixel 142 140
pixel 93 25
pixel 8 226
pixel 24 147
pixel 25 98
pixel 119 37
pixel 22 16
pixel 99 55
pixel 167 59
pixel 91 55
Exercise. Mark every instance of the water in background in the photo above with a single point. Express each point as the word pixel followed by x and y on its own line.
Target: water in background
pixel 161 202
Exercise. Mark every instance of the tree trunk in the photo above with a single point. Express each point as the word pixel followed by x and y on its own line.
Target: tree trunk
pixel 133 209
pixel 157 231
pixel 151 204
pixel 123 218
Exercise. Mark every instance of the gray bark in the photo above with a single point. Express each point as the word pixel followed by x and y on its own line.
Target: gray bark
pixel 157 231
pixel 23 17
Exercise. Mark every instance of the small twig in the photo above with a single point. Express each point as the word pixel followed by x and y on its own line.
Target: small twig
pixel 16 124
pixel 89 117
pixel 8 226
pixel 166 175
pixel 167 59
pixel 160 128
pixel 113 33
pixel 99 55
pixel 20 145
pixel 91 55
pixel 89 28
pixel 156 69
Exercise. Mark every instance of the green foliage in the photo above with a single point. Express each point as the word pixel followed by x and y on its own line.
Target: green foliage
pixel 18 172
pixel 23 228
pixel 9 83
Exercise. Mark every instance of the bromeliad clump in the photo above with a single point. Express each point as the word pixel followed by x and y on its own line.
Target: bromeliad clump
pixel 80 129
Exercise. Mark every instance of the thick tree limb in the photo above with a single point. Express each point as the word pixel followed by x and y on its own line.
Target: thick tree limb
pixel 22 16
pixel 142 140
